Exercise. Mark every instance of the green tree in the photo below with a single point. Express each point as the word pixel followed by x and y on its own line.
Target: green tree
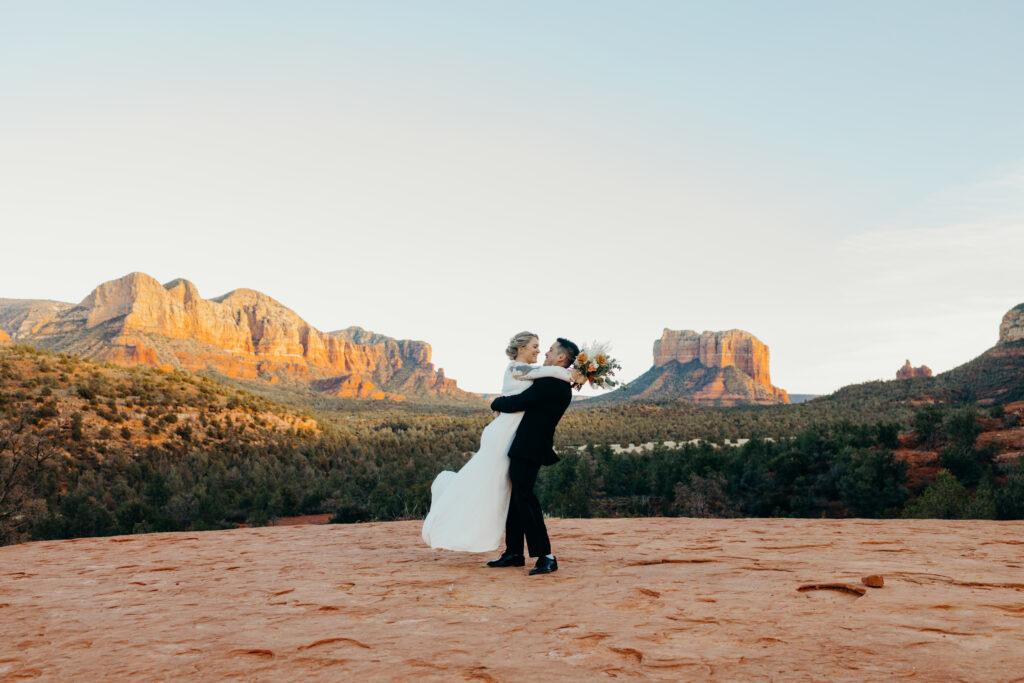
pixel 949 499
pixel 76 426
pixel 1009 499
pixel 963 428
pixel 872 483
pixel 26 462
pixel 704 497
pixel 965 463
pixel 927 423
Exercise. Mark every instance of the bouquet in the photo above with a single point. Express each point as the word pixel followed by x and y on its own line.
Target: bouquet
pixel 596 366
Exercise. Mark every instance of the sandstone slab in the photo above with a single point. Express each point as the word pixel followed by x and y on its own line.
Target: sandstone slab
pixel 655 599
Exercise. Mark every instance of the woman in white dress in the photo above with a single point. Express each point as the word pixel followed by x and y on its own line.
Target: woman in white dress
pixel 468 507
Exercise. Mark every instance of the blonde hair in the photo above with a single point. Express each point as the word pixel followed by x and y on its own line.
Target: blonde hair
pixel 517 342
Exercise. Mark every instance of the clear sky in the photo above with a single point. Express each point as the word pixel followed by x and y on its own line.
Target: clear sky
pixel 843 180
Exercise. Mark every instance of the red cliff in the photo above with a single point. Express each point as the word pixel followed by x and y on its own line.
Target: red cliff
pixel 243 334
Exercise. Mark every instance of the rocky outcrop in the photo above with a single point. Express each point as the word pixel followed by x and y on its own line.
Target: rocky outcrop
pixel 908 371
pixel 735 349
pixel 1012 327
pixel 997 375
pixel 715 350
pixel 711 368
pixel 243 334
pixel 4 337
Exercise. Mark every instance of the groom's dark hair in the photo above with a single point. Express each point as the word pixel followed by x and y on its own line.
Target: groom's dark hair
pixel 570 349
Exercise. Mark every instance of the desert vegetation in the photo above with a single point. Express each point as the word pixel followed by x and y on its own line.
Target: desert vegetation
pixel 88 449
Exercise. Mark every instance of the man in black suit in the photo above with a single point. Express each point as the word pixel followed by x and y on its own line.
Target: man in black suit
pixel 543 403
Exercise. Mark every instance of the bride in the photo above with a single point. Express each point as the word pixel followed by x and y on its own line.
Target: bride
pixel 468 507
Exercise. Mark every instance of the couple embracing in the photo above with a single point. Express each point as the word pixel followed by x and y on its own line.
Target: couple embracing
pixel 493 492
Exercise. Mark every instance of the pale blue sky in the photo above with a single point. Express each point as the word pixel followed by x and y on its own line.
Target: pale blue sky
pixel 843 180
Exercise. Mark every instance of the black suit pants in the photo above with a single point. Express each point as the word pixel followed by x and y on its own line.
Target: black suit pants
pixel 524 514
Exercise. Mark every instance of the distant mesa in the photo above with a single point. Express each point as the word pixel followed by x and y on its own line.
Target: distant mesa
pixel 710 368
pixel 243 334
pixel 908 371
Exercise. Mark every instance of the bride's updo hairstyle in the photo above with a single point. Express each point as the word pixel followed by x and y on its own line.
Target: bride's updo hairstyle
pixel 517 342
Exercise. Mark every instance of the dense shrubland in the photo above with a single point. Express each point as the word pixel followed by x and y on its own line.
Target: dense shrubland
pixel 88 450
pixel 839 470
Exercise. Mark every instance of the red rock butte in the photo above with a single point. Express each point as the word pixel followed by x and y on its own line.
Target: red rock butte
pixel 736 348
pixel 243 334
pixel 715 350
pixel 908 371
pixel 658 599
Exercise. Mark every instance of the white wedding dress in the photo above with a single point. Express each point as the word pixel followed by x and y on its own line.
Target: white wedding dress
pixel 468 507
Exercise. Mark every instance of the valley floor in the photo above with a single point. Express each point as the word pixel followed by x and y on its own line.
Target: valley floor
pixel 659 599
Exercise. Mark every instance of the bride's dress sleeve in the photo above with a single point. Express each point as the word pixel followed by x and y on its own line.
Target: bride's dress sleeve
pixel 556 371
pixel 510 383
pixel 519 370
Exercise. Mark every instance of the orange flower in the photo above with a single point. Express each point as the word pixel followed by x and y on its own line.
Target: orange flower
pixel 602 359
pixel 582 358
pixel 591 368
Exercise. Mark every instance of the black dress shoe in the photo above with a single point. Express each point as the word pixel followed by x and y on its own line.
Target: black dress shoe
pixel 545 565
pixel 506 560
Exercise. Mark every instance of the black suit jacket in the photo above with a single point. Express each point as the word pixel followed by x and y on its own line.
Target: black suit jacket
pixel 544 402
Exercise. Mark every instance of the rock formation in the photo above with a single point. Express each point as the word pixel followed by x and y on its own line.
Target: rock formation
pixel 908 371
pixel 243 334
pixel 4 338
pixel 25 316
pixel 715 350
pixel 1012 327
pixel 994 377
pixel 711 368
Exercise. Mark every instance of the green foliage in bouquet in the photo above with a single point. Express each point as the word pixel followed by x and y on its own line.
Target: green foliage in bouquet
pixel 597 366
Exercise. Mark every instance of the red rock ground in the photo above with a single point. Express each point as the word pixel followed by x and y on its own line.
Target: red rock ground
pixel 658 599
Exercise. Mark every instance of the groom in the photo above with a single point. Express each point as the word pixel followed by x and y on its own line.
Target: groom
pixel 543 402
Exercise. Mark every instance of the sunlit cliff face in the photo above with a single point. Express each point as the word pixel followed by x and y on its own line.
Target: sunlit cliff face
pixel 716 350
pixel 246 334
